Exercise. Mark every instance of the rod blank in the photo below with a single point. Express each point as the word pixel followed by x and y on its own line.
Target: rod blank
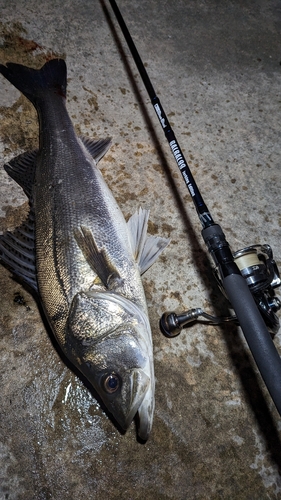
pixel 202 210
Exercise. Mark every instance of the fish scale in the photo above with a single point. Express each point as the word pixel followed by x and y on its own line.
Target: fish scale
pixel 82 259
pixel 83 187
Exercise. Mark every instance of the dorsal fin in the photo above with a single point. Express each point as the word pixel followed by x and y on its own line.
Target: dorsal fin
pixel 96 148
pixel 22 170
pixel 17 251
pixel 146 249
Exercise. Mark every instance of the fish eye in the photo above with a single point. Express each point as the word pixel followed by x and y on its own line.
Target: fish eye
pixel 111 383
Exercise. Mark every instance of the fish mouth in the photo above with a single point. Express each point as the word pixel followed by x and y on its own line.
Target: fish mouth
pixel 141 404
pixel 145 418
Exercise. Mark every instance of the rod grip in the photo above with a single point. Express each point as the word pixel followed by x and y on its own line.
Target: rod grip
pixel 256 333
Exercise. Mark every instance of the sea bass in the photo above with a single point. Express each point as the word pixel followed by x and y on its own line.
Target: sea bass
pixel 79 255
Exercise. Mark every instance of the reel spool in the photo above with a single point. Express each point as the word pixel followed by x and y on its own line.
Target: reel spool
pixel 257 266
pixel 260 271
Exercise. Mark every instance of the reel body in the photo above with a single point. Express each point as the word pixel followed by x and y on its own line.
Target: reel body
pixel 260 271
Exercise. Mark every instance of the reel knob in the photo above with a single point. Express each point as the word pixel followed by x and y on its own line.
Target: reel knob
pixel 171 324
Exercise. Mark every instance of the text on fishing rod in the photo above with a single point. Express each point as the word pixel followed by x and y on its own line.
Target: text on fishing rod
pixel 182 165
pixel 159 113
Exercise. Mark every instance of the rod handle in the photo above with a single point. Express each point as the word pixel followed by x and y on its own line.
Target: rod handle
pixel 256 334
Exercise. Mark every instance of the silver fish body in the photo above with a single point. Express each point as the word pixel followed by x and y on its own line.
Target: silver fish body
pixel 81 257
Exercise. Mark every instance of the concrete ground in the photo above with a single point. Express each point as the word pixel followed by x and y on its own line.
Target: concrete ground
pixel 216 68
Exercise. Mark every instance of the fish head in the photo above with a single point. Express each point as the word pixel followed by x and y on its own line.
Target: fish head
pixel 109 340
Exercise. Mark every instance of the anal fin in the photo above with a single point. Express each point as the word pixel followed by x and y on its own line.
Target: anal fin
pixel 96 148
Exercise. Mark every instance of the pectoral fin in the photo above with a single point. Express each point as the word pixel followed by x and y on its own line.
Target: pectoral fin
pixel 97 259
pixel 146 249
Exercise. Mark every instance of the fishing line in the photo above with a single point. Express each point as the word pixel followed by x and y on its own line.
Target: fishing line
pixel 247 278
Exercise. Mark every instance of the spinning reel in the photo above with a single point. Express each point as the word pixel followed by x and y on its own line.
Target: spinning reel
pixel 260 271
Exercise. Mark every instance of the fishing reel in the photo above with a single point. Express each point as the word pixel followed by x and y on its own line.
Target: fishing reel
pixel 260 271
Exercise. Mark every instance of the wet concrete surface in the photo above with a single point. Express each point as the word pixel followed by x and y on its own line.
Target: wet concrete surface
pixel 216 68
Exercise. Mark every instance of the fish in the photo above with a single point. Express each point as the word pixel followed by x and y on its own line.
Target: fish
pixel 80 257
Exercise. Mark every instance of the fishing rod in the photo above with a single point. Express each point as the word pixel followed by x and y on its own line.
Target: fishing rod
pixel 247 277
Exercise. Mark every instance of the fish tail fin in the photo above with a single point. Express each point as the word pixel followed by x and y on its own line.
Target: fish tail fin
pixel 34 83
